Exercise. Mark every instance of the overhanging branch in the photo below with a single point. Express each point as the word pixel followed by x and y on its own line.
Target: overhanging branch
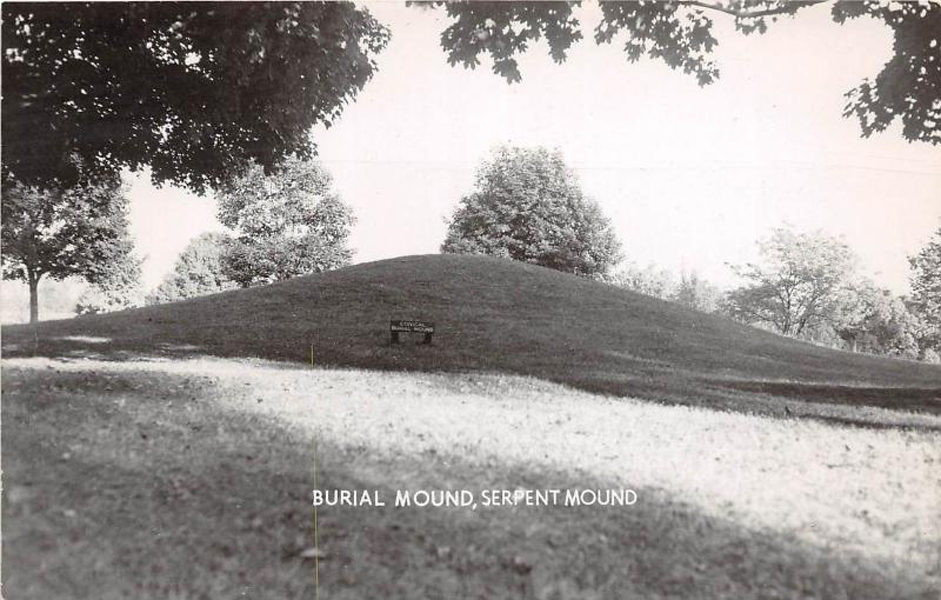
pixel 745 14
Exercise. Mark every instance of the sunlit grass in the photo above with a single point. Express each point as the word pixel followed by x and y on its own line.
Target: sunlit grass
pixel 215 459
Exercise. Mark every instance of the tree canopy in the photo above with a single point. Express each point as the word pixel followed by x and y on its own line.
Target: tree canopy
pixel 287 224
pixel 650 280
pixel 58 232
pixel 926 289
pixel 689 290
pixel 877 322
pixel 528 206
pixel 696 293
pixel 194 90
pixel 117 289
pixel 198 90
pixel 198 271
pixel 680 34
pixel 802 281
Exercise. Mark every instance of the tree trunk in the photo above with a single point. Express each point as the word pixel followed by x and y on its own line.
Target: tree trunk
pixel 33 299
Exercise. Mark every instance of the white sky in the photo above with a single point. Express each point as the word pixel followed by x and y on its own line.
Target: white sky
pixel 690 176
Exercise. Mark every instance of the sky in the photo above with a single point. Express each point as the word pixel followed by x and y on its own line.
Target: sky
pixel 690 177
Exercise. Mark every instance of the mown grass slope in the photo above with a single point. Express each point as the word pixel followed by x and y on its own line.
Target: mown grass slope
pixel 499 315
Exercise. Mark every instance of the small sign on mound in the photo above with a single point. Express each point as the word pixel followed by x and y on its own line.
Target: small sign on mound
pixel 397 327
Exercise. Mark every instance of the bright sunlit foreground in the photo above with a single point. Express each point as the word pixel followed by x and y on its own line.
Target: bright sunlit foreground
pixel 192 478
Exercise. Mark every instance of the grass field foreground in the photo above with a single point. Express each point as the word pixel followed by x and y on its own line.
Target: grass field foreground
pixel 190 479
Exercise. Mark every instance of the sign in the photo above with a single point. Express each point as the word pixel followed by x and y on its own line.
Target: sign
pixel 411 326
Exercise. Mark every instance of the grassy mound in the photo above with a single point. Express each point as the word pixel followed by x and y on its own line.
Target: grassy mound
pixel 498 315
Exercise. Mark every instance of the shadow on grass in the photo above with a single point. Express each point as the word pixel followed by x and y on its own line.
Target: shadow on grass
pixel 134 486
pixel 913 399
pixel 139 485
pixel 105 349
pixel 660 547
pixel 861 423
pixel 646 380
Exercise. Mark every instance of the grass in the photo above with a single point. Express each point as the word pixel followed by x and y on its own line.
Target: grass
pixel 191 479
pixel 170 451
pixel 500 315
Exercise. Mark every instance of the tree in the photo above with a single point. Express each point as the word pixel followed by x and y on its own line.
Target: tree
pixel 198 271
pixel 696 293
pixel 287 224
pixel 195 91
pixel 58 232
pixel 926 290
pixel 118 288
pixel 892 328
pixel 650 281
pixel 876 321
pixel 528 206
pixel 57 299
pixel 680 34
pixel 690 290
pixel 802 281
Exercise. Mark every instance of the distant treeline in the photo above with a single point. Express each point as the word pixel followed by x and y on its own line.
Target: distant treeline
pixel 823 303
